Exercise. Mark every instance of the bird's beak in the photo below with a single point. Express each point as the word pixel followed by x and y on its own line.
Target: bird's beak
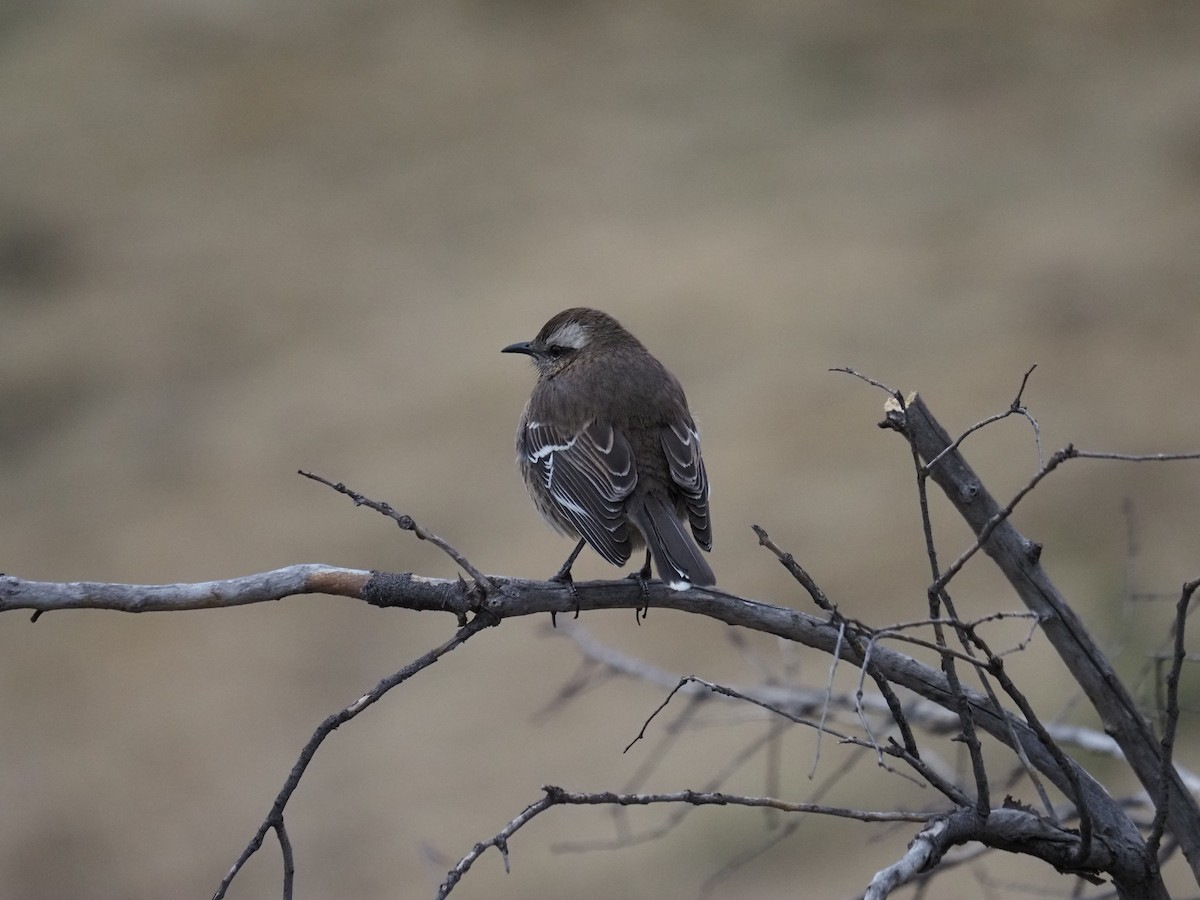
pixel 519 347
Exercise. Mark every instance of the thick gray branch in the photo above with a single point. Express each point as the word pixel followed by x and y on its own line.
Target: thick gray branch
pixel 305 578
pixel 1017 557
pixel 1015 830
pixel 514 597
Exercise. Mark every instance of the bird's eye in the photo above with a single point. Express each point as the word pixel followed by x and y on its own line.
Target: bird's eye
pixel 556 352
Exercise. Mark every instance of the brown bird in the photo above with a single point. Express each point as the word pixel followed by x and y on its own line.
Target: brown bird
pixel 609 451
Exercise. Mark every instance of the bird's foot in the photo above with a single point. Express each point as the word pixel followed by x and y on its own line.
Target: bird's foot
pixel 642 577
pixel 563 577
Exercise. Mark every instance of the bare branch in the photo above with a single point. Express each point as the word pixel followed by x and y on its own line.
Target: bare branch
pixel 781 834
pixel 304 578
pixel 289 861
pixel 798 699
pixel 274 817
pixel 556 796
pixel 407 523
pixel 626 838
pixel 516 598
pixel 922 854
pixel 1134 457
pixel 991 664
pixel 871 381
pixel 730 692
pixel 1117 847
pixel 922 767
pixel 1017 558
pixel 499 841
pixel 1007 828
pixel 937 597
pixel 896 633
pixel 798 572
pixel 1014 409
pixel 833 664
pixel 1172 721
pixel 1057 459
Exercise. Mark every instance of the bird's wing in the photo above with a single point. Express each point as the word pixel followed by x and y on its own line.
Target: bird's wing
pixel 681 443
pixel 588 475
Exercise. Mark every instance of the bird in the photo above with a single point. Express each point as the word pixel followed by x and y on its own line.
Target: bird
pixel 610 453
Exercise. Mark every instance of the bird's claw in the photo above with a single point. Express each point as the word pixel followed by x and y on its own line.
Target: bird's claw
pixel 642 577
pixel 563 577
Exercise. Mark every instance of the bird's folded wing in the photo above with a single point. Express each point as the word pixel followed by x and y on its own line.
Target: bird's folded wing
pixel 588 475
pixel 681 443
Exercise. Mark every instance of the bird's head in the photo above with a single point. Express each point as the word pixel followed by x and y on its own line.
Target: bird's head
pixel 572 335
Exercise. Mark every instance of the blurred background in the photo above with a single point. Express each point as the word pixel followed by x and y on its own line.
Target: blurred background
pixel 241 238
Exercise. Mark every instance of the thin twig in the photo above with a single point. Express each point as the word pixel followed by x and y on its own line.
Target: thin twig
pixel 995 668
pixel 289 861
pixel 796 570
pixel 1172 717
pixel 274 818
pixel 951 791
pixel 1135 457
pixel 889 633
pixel 626 838
pixel 407 523
pixel 1014 409
pixel 737 695
pixel 801 575
pixel 739 861
pixel 556 796
pixel 1056 459
pixel 834 658
pixel 937 598
pixel 967 637
pixel 869 380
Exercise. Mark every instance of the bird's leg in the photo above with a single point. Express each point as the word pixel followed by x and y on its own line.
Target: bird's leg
pixel 642 577
pixel 563 576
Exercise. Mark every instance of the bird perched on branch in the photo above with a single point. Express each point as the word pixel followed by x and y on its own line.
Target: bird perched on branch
pixel 609 451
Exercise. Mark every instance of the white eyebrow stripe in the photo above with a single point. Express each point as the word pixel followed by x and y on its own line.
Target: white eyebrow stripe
pixel 570 334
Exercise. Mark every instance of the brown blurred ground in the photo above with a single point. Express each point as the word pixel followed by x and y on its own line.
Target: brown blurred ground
pixel 241 238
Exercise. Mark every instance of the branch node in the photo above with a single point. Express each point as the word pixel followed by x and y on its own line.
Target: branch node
pixel 895 417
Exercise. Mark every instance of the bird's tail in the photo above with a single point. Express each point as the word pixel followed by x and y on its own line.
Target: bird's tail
pixel 676 556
